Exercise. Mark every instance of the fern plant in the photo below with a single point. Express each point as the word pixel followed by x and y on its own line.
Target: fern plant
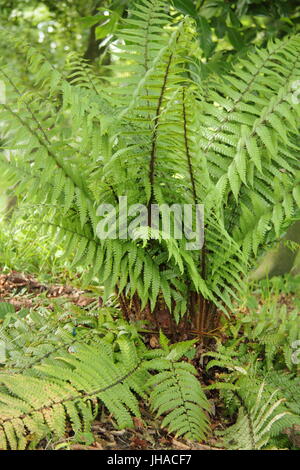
pixel 263 404
pixel 252 428
pixel 39 405
pixel 272 330
pixel 177 391
pixel 254 370
pixel 55 375
pixel 154 135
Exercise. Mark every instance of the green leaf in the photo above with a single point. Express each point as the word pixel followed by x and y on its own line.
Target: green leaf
pixel 109 24
pixel 187 7
pixel 205 32
pixel 235 38
pixel 89 21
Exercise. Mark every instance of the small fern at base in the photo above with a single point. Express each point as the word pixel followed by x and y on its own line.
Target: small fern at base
pixel 177 393
pixel 253 426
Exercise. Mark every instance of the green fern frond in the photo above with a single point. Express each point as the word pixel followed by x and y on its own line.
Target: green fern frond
pixel 177 394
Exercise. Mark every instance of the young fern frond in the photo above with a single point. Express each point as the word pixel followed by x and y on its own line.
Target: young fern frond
pixel 177 394
pixel 253 426
pixel 253 364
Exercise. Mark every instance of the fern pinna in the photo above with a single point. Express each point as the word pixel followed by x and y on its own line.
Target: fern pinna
pixel 153 134
pixel 177 391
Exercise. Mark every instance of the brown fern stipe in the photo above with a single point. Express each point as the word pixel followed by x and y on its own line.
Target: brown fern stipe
pixel 202 319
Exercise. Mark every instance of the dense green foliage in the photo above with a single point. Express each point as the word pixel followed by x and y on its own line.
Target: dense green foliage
pixel 60 369
pixel 160 122
pixel 258 376
pixel 60 373
pixel 236 155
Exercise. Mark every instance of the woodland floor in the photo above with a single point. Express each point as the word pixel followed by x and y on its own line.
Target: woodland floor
pixel 24 291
